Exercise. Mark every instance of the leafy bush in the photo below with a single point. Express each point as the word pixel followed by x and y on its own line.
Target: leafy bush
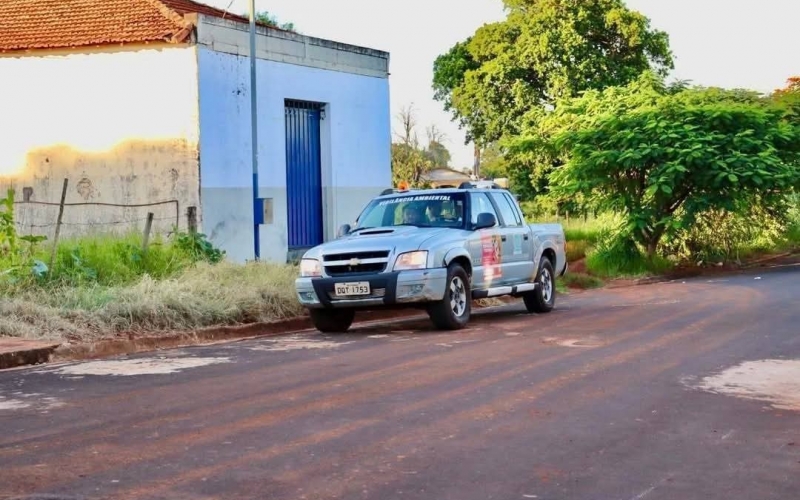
pixel 722 235
pixel 198 248
pixel 662 156
pixel 17 253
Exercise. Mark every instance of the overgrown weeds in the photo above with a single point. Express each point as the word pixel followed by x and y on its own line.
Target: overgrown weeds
pixel 202 295
pixel 93 260
pixel 614 257
pixel 101 285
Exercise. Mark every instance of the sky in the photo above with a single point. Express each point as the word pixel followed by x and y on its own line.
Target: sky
pixel 729 43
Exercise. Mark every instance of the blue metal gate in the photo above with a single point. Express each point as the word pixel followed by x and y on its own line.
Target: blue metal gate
pixel 303 173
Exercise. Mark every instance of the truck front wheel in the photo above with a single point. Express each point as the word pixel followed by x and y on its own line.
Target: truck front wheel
pixel 332 320
pixel 453 312
pixel 543 297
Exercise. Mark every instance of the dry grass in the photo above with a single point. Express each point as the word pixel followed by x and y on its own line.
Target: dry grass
pixel 581 281
pixel 576 250
pixel 205 295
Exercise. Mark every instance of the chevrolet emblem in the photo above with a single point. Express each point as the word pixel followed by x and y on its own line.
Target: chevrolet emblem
pixel 355 261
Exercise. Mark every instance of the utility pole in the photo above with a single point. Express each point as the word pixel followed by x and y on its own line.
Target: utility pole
pixel 254 129
pixel 476 162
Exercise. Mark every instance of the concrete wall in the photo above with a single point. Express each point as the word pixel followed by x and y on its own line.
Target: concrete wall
pixel 121 125
pixel 356 136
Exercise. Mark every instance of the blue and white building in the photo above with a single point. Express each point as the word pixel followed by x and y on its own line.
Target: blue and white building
pixel 167 116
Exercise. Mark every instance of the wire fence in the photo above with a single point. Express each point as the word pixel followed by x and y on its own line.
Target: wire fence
pixel 36 216
pixel 70 220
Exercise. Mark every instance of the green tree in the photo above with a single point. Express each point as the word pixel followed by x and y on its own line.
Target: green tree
pixel 264 17
pixel 493 162
pixel 409 165
pixel 512 71
pixel 410 162
pixel 661 156
pixel 436 151
pixel 438 154
pixel 789 96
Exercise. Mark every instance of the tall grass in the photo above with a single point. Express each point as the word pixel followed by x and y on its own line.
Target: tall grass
pixel 104 284
pixel 201 295
pixel 613 258
pixel 793 235
pixel 587 229
pixel 107 260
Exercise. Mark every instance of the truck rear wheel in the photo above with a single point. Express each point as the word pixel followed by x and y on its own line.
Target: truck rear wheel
pixel 453 311
pixel 332 320
pixel 543 298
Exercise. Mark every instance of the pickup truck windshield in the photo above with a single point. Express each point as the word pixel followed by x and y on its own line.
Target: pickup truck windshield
pixel 421 210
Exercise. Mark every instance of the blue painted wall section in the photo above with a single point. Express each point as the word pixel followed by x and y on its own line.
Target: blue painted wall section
pixel 303 173
pixel 354 135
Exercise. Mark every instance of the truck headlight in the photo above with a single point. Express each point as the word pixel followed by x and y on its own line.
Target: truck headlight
pixel 411 260
pixel 310 268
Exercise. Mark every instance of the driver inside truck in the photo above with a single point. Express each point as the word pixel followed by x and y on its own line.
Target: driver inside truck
pixel 412 215
pixel 435 212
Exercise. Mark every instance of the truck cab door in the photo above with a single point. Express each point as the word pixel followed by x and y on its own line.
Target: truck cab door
pixel 516 238
pixel 485 245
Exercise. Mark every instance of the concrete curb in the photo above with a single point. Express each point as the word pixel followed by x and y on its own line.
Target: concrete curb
pixel 32 353
pixel 18 352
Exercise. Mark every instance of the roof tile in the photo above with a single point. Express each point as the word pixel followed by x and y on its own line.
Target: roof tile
pixel 47 24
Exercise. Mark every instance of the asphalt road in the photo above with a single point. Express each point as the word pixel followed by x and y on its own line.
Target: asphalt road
pixel 635 393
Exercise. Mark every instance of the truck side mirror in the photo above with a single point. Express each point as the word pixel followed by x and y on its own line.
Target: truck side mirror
pixel 486 220
pixel 344 230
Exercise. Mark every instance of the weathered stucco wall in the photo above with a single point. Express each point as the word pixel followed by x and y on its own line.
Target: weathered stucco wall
pixel 121 125
pixel 355 134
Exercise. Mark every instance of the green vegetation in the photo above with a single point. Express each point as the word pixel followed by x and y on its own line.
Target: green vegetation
pixel 568 99
pixel 510 71
pixel 691 174
pixel 664 158
pixel 199 296
pixel 265 17
pixel 102 285
pixel 595 253
pixel 581 281
pixel 410 160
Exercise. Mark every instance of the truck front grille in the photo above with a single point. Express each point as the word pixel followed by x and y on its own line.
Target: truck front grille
pixel 345 264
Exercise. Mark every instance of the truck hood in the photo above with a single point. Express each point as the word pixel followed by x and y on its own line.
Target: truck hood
pixel 398 239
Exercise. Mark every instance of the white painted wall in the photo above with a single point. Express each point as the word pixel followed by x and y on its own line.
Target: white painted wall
pixel 122 125
pixel 356 154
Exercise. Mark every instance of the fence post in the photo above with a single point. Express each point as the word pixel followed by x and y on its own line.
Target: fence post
pixel 147 227
pixel 191 216
pixel 58 225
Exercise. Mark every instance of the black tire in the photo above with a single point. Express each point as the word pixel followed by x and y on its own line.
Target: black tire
pixel 332 320
pixel 543 298
pixel 453 311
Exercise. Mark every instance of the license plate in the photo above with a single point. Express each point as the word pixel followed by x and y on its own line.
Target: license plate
pixel 352 289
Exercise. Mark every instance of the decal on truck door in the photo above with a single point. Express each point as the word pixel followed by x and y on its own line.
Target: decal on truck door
pixel 517 244
pixel 491 256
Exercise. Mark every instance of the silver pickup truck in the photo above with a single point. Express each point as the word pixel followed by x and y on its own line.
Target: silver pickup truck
pixel 435 249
